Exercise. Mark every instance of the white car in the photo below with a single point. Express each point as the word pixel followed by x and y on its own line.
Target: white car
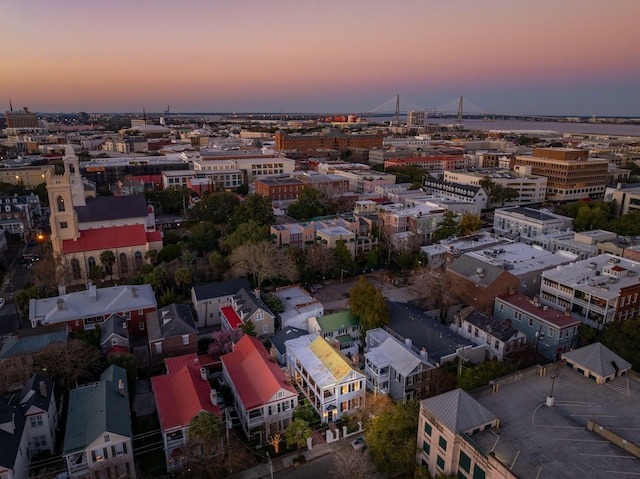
pixel 2 301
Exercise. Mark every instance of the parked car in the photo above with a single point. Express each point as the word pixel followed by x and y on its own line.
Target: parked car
pixel 358 443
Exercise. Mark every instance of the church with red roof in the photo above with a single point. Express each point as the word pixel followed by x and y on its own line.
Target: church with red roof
pixel 264 397
pixel 83 226
pixel 181 394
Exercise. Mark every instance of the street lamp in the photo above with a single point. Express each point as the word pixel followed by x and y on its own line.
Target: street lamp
pixel 550 398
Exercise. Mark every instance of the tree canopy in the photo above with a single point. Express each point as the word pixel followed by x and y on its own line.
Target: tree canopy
pixel 297 433
pixel 216 208
pixel 255 208
pixel 66 364
pixel 368 305
pixel 447 227
pixel 263 261
pixel 391 438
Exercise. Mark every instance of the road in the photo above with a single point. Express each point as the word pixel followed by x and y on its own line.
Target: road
pixel 320 468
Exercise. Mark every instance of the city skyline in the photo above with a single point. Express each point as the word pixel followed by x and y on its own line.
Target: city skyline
pixel 567 57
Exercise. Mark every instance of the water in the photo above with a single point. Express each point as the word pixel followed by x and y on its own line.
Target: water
pixel 613 129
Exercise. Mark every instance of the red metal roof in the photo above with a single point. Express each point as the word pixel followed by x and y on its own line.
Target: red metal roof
pixel 154 236
pixel 232 317
pixel 255 376
pixel 181 394
pixel 100 239
pixel 550 315
pixel 118 350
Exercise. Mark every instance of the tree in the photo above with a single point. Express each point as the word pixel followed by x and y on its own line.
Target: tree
pixel 342 260
pixel 205 432
pixel 108 259
pixel 204 236
pixel 318 259
pixel 311 203
pixel 263 261
pixel 249 232
pixel 590 219
pixel 96 273
pixel 168 253
pixel 623 337
pixel 157 278
pixel 151 256
pixel 256 208
pixel 67 364
pixel 626 225
pixel 249 328
pixel 351 464
pixel 305 412
pixel 391 439
pixel 447 227
pixel 469 223
pixel 182 278
pixel 473 377
pixel 297 433
pixel 368 305
pixel 223 341
pixel 215 208
pixel 437 291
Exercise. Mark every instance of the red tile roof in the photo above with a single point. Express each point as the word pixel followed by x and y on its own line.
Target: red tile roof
pixel 232 317
pixel 100 239
pixel 255 376
pixel 181 394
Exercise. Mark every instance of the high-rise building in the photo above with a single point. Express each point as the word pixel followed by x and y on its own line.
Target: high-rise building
pixel 21 119
pixel 415 118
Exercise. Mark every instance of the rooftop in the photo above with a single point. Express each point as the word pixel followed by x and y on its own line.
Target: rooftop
pixel 548 315
pixel 520 258
pixel 602 276
pixel 540 441
pixel 541 215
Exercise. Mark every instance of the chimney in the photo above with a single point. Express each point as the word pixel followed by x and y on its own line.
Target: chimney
pixel 134 292
pixel 121 387
pixel 213 395
pixel 43 389
pixel 62 290
pixel 203 373
pixel 61 304
pixel 93 293
pixel 407 342
pixel 423 353
pixel 256 293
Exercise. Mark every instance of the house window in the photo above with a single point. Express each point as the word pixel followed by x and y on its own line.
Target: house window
pixel 440 462
pixel 530 321
pixel 40 441
pixel 141 326
pixel 426 447
pixel 427 429
pixel 107 438
pixel 442 443
pixel 114 341
pixel 185 339
pixel 158 348
pixel 465 461
pixel 36 421
pixel 259 316
pixel 64 225
pixel 265 329
pixel 478 473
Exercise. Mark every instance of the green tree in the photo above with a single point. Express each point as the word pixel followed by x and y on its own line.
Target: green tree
pixel 108 259
pixel 249 232
pixel 167 297
pixel 306 412
pixel 169 200
pixel 249 328
pixel 182 278
pixel 215 208
pixel 297 433
pixel 368 305
pixel 589 219
pixel 168 253
pixel 391 440
pixel 473 377
pixel 469 223
pixel 626 225
pixel 158 278
pixel 311 203
pixel 343 262
pixel 151 256
pixel 206 431
pixel 257 208
pixel 623 337
pixel 96 273
pixel 447 227
pixel 204 236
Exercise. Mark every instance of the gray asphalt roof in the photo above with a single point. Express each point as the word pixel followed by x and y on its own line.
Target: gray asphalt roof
pixel 458 411
pixel 496 328
pixel 396 354
pixel 113 325
pixel 177 321
pixel 286 334
pixel 220 288
pixel 104 208
pixel 424 332
pixel 467 266
pixel 597 358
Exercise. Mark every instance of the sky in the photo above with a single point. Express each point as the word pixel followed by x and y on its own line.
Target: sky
pixel 542 57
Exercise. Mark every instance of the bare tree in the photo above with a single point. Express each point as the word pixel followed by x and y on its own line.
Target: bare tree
pixel 319 258
pixel 437 291
pixel 263 261
pixel 69 363
pixel 351 464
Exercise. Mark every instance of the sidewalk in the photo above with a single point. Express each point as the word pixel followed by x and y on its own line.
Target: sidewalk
pixel 286 461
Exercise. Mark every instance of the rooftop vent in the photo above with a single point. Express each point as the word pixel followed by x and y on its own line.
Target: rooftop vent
pixel 61 304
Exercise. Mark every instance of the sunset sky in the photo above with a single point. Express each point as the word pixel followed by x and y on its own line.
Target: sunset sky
pixel 556 57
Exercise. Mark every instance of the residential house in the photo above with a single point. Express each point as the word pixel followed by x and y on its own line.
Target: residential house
pixel 327 378
pixel 278 340
pixel 478 282
pixel 393 368
pixel 114 335
pixel 264 397
pixel 171 332
pixel 498 337
pixel 83 310
pixel 181 394
pixel 28 423
pixel 528 225
pixel 596 291
pixel 342 330
pixel 299 306
pixel 209 298
pixel 19 353
pixel 98 438
pixel 550 331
